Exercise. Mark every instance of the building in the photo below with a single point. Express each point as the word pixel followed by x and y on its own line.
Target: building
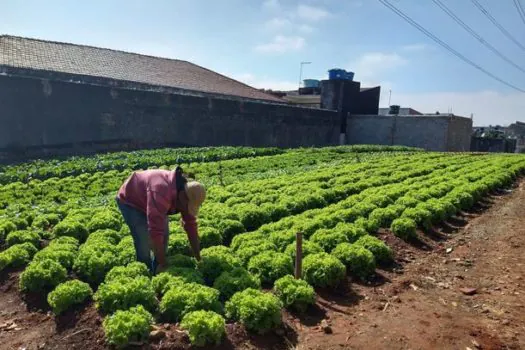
pixel 61 98
pixel 313 99
pixel 402 111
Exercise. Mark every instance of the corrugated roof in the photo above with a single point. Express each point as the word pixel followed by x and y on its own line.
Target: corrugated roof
pixel 97 62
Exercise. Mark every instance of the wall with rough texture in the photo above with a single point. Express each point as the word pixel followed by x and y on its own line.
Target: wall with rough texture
pixel 433 133
pixel 53 117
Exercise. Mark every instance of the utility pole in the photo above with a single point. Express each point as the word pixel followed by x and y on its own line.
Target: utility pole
pixel 301 72
pixel 389 97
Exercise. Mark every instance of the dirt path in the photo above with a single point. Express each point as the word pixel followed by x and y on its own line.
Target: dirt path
pixel 424 308
pixel 416 305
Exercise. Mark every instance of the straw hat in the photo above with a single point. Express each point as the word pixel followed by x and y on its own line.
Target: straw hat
pixel 196 195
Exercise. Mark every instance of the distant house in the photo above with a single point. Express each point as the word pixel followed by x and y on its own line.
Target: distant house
pixel 402 111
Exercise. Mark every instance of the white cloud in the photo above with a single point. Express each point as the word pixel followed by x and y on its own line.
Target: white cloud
pixel 311 13
pixel 488 107
pixel 372 64
pixel 282 44
pixel 277 23
pixel 265 82
pixel 271 5
pixel 306 29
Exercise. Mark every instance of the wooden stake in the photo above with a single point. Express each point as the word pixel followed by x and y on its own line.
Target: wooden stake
pixel 298 255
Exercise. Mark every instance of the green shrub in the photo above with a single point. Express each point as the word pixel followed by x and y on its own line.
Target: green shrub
pixel 293 293
pixel 122 293
pixel 381 251
pixel 23 236
pixel 204 327
pixel 182 299
pixel 68 294
pixel 124 327
pixel 384 216
pixel 132 270
pixel 369 225
pixel 65 240
pixel 421 216
pixel 41 276
pixel 247 239
pixel 351 231
pixel 126 251
pixel 178 244
pixel 404 228
pixel 61 254
pixel 323 270
pixel 230 228
pixel 104 235
pixel 104 220
pixel 236 280
pixel 328 239
pixel 94 261
pixel 41 223
pixel 216 260
pixel 187 274
pixel 6 227
pixel 270 266
pixel 309 247
pixel 72 229
pixel 248 252
pixel 20 222
pixel 251 216
pixel 209 237
pixel 281 239
pixel 17 255
pixel 359 261
pixel 258 311
pixel 164 281
pixel 407 201
pixel 179 260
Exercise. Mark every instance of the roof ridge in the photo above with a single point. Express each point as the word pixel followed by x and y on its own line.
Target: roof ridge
pixel 139 55
pixel 92 47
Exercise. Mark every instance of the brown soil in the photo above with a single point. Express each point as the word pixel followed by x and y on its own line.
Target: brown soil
pixel 419 303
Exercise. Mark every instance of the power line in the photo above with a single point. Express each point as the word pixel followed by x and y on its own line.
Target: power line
pixel 398 12
pixel 471 31
pixel 520 9
pixel 497 24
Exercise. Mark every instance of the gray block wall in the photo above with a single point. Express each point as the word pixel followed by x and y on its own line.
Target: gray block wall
pixel 433 133
pixel 53 117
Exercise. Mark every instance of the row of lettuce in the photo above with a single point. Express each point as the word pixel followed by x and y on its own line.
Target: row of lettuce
pixel 248 235
pixel 143 159
pixel 57 191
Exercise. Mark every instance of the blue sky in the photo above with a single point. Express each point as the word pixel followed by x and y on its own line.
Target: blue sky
pixel 261 42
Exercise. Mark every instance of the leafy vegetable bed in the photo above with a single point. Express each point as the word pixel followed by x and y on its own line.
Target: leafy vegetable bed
pixel 59 222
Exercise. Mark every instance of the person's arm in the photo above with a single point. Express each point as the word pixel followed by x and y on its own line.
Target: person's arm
pixel 157 211
pixel 190 226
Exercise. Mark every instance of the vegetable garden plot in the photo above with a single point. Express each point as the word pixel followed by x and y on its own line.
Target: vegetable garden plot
pixel 336 198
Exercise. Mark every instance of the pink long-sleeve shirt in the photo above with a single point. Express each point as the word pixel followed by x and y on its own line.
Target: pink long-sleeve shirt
pixel 154 193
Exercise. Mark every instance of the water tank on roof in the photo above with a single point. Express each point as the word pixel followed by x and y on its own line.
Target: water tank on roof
pixel 349 76
pixel 310 83
pixel 340 74
pixel 336 74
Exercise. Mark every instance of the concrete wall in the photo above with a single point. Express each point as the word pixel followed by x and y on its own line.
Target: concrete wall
pixel 39 116
pixel 482 144
pixel 433 133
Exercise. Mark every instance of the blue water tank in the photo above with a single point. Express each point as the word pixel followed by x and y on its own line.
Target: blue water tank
pixel 337 74
pixel 311 83
pixel 349 76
